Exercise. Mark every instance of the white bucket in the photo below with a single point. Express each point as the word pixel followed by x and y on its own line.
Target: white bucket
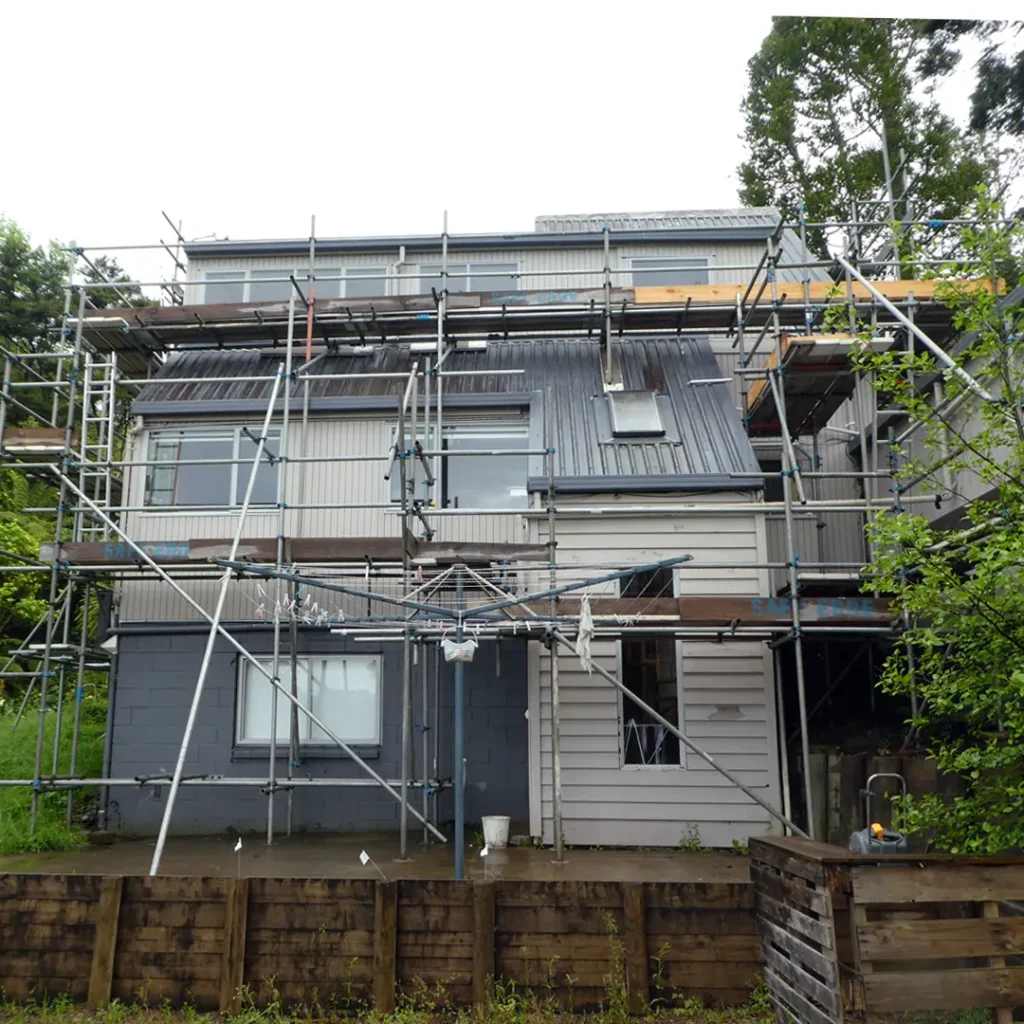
pixel 495 831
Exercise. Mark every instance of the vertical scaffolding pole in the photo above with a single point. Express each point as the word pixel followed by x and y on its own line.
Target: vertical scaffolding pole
pixel 204 668
pixel 280 587
pixel 79 690
pixel 606 233
pixel 442 306
pixel 556 716
pixel 780 714
pixel 424 732
pixel 798 640
pixel 62 502
pixel 458 744
pixel 404 447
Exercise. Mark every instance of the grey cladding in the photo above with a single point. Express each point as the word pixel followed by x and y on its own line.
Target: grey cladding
pixel 703 442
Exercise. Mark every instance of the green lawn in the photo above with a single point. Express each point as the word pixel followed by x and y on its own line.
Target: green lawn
pixel 17 758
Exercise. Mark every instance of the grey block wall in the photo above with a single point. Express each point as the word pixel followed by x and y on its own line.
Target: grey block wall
pixel 153 691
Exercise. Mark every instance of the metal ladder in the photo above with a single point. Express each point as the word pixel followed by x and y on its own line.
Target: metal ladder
pixel 96 477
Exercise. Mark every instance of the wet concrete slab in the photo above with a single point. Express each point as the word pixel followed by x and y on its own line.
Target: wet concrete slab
pixel 337 856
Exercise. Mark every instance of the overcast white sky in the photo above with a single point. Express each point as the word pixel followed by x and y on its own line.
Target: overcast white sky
pixel 242 119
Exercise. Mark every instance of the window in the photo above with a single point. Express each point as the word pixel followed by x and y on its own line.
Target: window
pixel 365 282
pixel 229 291
pixel 343 691
pixel 242 285
pixel 474 481
pixel 483 277
pixel 635 413
pixel 263 289
pixel 486 481
pixel 650 670
pixel 693 270
pixel 649 583
pixel 186 474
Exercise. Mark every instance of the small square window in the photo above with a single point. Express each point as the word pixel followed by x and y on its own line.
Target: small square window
pixel 224 286
pixel 635 414
pixel 366 282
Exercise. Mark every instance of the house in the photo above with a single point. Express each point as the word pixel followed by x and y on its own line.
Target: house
pixel 650 462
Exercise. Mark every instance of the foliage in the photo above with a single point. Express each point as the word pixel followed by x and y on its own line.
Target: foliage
pixel 104 268
pixel 997 103
pixel 961 586
pixel 17 761
pixel 828 97
pixel 32 291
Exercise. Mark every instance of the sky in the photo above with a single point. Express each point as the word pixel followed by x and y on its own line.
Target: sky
pixel 242 120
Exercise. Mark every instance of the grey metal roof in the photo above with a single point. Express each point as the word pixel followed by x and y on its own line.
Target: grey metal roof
pixel 739 217
pixel 703 444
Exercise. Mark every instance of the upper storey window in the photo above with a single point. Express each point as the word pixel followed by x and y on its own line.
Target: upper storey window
pixel 246 285
pixel 471 277
pixel 671 271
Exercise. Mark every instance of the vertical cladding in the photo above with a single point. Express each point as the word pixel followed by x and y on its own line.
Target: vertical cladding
pixel 156 677
pixel 728 702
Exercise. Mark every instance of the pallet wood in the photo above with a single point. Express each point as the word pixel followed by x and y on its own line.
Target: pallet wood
pixel 795 921
pixel 990 911
pixel 635 941
pixel 483 941
pixel 102 973
pixel 942 939
pixel 232 965
pixel 956 989
pixel 384 946
pixel 935 883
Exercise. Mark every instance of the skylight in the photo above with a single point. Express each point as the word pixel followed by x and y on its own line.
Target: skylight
pixel 635 414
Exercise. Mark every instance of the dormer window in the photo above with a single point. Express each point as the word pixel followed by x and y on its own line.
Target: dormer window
pixel 635 414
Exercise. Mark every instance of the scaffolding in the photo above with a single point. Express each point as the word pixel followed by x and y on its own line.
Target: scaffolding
pixel 427 594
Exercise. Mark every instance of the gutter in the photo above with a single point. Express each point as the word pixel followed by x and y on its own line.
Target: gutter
pixel 517 240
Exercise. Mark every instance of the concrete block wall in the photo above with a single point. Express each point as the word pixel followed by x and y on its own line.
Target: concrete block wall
pixel 155 682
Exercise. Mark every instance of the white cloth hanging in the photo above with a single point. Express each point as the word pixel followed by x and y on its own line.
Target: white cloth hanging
pixel 585 634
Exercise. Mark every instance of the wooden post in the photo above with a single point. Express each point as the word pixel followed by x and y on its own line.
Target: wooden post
pixel 101 976
pixel 638 984
pixel 233 956
pixel 385 945
pixel 483 941
pixel 1002 1014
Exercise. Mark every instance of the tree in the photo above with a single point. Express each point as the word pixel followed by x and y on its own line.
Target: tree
pixel 831 101
pixel 997 103
pixel 962 587
pixel 105 268
pixel 32 281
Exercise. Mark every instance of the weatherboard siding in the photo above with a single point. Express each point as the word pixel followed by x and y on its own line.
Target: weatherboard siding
pixel 330 484
pixel 555 269
pixel 728 697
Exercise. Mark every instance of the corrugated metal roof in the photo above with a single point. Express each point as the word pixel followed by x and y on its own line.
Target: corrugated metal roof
pixel 738 217
pixel 704 440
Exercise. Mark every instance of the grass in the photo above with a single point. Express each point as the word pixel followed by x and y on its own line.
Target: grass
pixel 17 761
pixel 508 1005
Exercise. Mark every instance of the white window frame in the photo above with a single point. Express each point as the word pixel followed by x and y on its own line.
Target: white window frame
pixel 689 263
pixel 273 441
pixel 298 273
pixel 473 267
pixel 385 284
pixel 680 692
pixel 248 675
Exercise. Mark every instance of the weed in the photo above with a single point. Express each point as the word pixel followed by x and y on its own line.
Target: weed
pixel 740 848
pixel 690 841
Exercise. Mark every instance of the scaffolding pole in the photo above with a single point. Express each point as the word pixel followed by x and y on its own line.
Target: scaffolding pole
pixel 218 611
pixel 249 658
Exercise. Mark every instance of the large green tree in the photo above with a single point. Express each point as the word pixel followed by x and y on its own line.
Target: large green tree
pixel 963 586
pixel 830 100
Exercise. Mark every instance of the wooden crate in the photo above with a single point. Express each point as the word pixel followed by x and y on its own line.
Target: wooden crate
pixel 848 934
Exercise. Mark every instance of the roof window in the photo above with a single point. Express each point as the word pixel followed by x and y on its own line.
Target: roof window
pixel 635 414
